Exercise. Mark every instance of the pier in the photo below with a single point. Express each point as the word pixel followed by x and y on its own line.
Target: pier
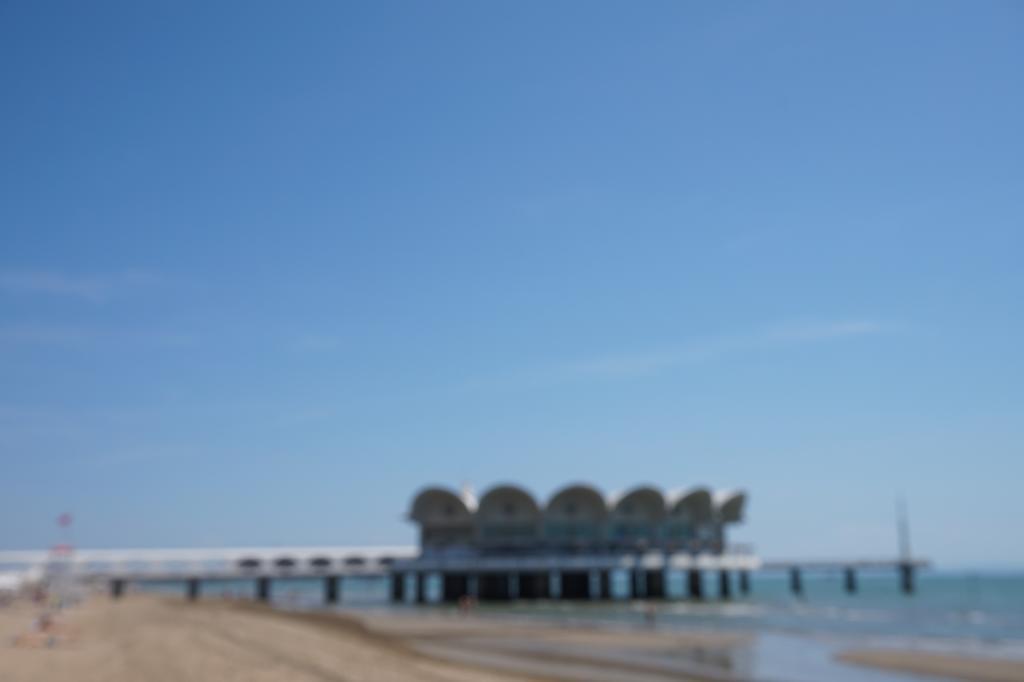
pixel 263 567
pixel 506 547
pixel 569 577
pixel 904 568
pixel 510 546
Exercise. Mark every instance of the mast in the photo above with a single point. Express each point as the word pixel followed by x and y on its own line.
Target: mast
pixel 903 527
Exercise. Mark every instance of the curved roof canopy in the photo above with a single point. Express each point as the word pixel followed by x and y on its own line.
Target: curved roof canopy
pixel 577 502
pixel 440 506
pixel 642 503
pixel 693 503
pixel 729 505
pixel 508 503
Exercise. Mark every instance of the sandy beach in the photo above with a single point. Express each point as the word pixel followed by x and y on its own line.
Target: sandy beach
pixel 153 639
pixel 944 665
pixel 160 639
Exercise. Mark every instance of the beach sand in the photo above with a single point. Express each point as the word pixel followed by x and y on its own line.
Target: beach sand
pixel 159 640
pixel 945 665
pixel 144 637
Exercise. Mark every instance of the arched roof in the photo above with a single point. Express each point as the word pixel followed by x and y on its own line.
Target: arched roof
pixel 435 505
pixel 646 502
pixel 577 501
pixel 508 502
pixel 692 502
pixel 729 505
pixel 439 506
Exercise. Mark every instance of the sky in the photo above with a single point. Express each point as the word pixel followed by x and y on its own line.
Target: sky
pixel 266 269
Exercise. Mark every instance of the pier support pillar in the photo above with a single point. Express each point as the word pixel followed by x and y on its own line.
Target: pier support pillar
pixel 533 586
pixel 454 586
pixel 493 587
pixel 694 584
pixel 263 589
pixel 554 585
pixel 850 580
pixel 796 583
pixel 575 585
pixel 744 583
pixel 636 581
pixel 655 584
pixel 513 586
pixel 724 585
pixel 421 587
pixel 398 587
pixel 606 585
pixel 907 578
pixel 331 584
pixel 192 589
pixel 116 588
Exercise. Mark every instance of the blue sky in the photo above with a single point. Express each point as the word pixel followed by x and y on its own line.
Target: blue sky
pixel 266 269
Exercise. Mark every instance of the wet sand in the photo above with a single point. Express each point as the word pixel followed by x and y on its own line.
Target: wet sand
pixel 162 639
pixel 575 653
pixel 946 665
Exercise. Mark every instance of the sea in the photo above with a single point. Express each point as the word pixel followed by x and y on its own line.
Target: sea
pixel 792 638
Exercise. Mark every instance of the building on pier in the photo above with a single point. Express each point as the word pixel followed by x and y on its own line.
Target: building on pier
pixel 577 519
pixel 510 545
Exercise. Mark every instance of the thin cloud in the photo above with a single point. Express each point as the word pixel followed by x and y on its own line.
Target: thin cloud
pixel 822 331
pixel 672 358
pixel 92 288
pixel 651 362
pixel 27 334
pixel 55 335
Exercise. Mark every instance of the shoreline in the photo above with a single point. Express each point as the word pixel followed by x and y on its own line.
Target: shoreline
pixel 160 638
pixel 951 666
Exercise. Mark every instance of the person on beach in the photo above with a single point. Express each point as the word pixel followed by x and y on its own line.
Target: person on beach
pixel 466 604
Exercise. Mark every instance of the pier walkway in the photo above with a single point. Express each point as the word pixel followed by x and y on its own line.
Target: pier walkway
pixel 487 578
